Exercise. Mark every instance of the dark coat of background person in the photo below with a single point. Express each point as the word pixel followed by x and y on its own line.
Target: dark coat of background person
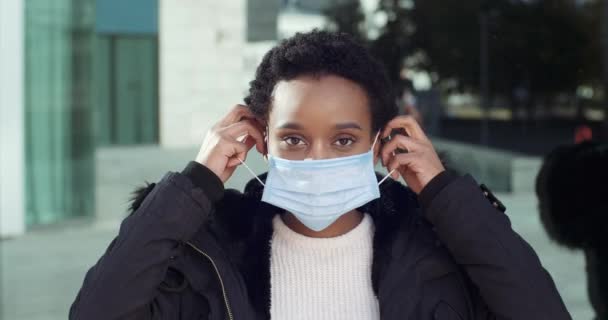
pixel 573 205
pixel 185 254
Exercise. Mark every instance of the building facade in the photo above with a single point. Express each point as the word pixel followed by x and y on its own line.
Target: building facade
pixel 80 76
pixel 75 76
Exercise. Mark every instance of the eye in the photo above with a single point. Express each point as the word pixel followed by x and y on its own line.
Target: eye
pixel 344 142
pixel 293 141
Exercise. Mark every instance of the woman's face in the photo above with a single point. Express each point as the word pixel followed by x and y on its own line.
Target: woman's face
pixel 319 118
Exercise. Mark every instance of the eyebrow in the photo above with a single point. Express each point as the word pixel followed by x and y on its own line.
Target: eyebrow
pixel 290 125
pixel 339 126
pixel 347 125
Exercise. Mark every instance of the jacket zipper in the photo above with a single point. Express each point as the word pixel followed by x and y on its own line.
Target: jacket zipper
pixel 228 310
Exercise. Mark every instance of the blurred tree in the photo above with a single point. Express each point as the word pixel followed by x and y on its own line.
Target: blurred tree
pixel 391 44
pixel 347 17
pixel 543 47
pixel 448 32
pixel 537 49
pixel 395 39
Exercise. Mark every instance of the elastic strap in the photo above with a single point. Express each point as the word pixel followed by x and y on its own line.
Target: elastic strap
pixel 386 177
pixel 251 171
pixel 373 145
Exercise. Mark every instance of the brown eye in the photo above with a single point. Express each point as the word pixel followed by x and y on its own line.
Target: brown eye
pixel 293 141
pixel 343 142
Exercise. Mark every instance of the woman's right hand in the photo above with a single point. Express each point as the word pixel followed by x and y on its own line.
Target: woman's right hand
pixel 229 140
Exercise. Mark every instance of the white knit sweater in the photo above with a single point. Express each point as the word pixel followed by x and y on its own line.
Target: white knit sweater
pixel 322 278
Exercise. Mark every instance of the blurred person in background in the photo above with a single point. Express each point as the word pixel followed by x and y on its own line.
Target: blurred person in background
pixel 321 235
pixel 583 133
pixel 571 190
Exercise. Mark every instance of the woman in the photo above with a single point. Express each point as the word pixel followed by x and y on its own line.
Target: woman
pixel 317 238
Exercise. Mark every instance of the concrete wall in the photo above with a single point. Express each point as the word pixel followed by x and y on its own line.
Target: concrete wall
pixel 12 149
pixel 501 171
pixel 262 19
pixel 207 62
pixel 120 169
pixel 201 66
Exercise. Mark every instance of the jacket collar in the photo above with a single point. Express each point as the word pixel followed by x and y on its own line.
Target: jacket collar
pixel 242 225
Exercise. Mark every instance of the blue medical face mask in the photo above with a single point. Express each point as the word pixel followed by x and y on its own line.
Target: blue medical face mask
pixel 318 192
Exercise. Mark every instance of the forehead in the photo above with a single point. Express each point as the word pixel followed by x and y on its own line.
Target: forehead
pixel 320 101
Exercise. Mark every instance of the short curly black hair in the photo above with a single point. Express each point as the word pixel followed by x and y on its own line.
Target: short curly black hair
pixel 319 53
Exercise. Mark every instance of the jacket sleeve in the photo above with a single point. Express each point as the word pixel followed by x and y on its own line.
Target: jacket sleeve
pixel 502 265
pixel 125 282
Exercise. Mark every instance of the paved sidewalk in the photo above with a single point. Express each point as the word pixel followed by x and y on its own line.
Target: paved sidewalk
pixel 42 271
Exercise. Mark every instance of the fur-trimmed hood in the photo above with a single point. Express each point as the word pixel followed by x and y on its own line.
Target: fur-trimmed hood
pixel 180 255
pixel 242 225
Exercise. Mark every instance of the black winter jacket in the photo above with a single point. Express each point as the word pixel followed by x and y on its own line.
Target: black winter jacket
pixel 191 250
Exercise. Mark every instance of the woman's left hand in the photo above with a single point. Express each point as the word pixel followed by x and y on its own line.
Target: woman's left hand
pixel 420 164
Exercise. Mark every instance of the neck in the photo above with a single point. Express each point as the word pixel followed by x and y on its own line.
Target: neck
pixel 343 225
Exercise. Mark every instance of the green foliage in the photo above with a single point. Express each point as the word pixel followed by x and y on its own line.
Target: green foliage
pixel 546 46
pixel 347 17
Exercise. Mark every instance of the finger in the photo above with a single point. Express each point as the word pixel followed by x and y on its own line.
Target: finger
pixel 235 115
pixel 236 150
pixel 231 147
pixel 399 142
pixel 236 161
pixel 249 143
pixel 408 123
pixel 249 128
pixel 402 160
pixel 261 127
pixel 241 157
pixel 255 124
pixel 258 135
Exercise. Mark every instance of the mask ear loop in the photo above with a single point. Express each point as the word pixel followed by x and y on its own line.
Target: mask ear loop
pixel 373 145
pixel 265 156
pixel 386 177
pixel 251 171
pixel 375 140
